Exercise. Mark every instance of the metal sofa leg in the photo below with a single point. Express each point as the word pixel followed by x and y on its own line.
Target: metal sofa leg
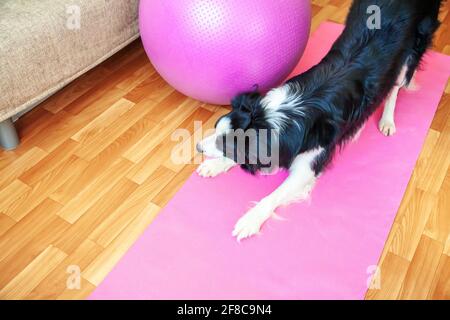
pixel 9 139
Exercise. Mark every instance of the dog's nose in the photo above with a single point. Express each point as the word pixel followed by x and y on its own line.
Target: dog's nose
pixel 199 148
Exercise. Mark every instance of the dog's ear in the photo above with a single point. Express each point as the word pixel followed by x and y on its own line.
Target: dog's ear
pixel 244 108
pixel 246 102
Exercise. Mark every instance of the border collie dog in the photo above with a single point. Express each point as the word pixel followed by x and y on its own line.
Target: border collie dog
pixel 320 110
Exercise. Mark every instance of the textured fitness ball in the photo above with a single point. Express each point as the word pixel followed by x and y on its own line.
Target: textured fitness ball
pixel 212 50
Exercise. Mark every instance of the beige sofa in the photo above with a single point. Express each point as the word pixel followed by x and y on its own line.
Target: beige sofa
pixel 46 44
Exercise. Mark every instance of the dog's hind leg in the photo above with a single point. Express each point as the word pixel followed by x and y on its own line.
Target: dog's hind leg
pixel 424 37
pixel 413 85
pixel 296 187
pixel 387 122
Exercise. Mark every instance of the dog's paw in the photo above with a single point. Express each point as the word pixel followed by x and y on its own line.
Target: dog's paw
pixel 413 85
pixel 213 167
pixel 250 224
pixel 387 127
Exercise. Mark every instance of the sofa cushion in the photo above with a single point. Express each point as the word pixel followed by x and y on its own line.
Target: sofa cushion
pixel 46 44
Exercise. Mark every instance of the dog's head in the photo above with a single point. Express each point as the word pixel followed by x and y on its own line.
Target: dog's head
pixel 243 135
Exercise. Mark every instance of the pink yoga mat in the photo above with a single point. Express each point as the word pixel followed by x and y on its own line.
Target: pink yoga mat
pixel 323 248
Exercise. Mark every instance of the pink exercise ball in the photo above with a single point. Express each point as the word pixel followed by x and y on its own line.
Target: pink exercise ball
pixel 212 50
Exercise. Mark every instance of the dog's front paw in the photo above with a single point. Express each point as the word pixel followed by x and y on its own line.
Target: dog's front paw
pixel 251 223
pixel 387 127
pixel 213 167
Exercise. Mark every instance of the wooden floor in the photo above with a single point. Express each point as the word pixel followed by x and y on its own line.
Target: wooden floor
pixel 94 169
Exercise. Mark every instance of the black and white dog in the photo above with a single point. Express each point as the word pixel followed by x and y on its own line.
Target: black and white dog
pixel 320 110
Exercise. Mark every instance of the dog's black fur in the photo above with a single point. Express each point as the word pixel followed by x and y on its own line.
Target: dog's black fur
pixel 346 87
